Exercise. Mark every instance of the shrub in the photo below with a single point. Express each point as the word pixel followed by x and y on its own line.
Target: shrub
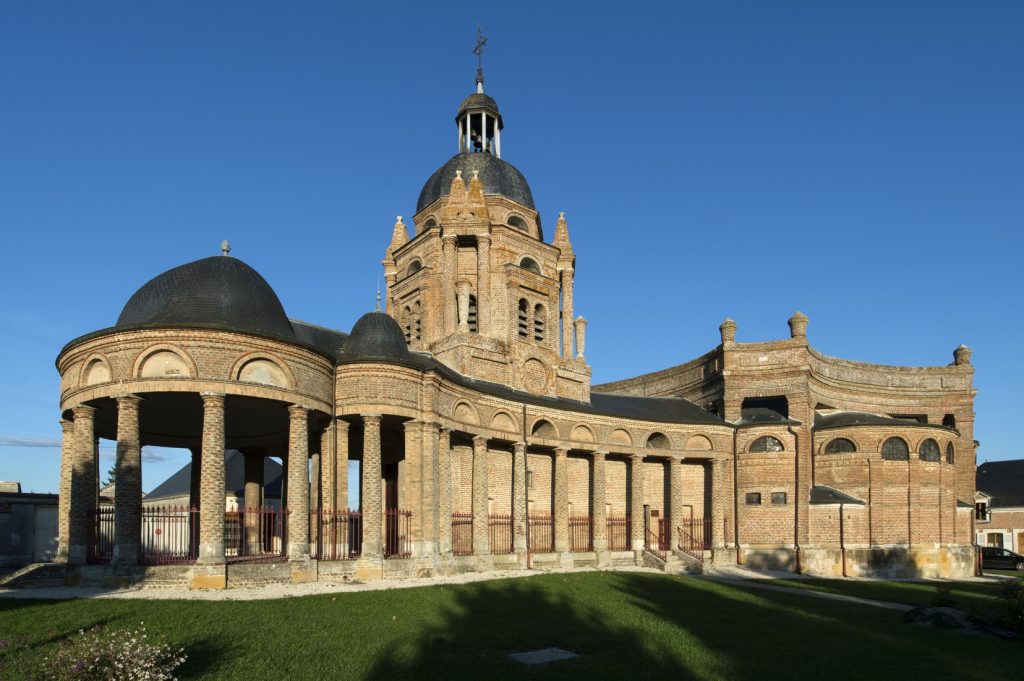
pixel 113 655
pixel 1012 605
pixel 944 596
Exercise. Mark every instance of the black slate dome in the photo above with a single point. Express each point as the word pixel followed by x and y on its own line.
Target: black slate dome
pixel 478 100
pixel 220 292
pixel 375 336
pixel 499 177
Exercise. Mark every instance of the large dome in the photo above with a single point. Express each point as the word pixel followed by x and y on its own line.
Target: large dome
pixel 221 292
pixel 499 177
pixel 375 336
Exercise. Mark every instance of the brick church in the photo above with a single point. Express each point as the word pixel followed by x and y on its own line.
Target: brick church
pixel 467 410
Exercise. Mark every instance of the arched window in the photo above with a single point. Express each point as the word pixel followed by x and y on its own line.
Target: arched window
pixel 538 323
pixel 766 444
pixel 544 429
pixel 407 324
pixel 950 454
pixel 471 319
pixel 895 449
pixel 517 222
pixel 524 330
pixel 658 441
pixel 417 321
pixel 414 267
pixel 429 224
pixel 929 450
pixel 840 446
pixel 949 420
pixel 529 263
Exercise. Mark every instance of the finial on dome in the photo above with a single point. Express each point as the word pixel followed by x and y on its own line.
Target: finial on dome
pixel 962 355
pixel 225 247
pixel 478 50
pixel 798 325
pixel 728 331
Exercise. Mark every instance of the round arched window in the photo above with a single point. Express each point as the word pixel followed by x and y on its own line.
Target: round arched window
pixel 766 444
pixel 414 267
pixel 840 446
pixel 950 454
pixel 517 222
pixel 895 449
pixel 929 450
pixel 658 441
pixel 530 264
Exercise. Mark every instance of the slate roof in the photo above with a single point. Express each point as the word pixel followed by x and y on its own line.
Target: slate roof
pixel 1003 481
pixel 823 494
pixel 375 336
pixel 499 177
pixel 478 100
pixel 234 479
pixel 843 419
pixel 327 341
pixel 218 292
pixel 757 416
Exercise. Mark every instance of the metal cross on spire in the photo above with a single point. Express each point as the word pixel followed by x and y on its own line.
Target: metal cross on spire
pixel 478 50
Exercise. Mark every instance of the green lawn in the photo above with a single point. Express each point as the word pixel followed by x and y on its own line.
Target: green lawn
pixel 623 625
pixel 969 596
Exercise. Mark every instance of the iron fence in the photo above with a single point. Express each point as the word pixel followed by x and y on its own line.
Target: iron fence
pixel 101 535
pixel 462 534
pixel 695 536
pixel 397 533
pixel 499 527
pixel 618 533
pixel 581 533
pixel 255 534
pixel 542 532
pixel 170 535
pixel 337 533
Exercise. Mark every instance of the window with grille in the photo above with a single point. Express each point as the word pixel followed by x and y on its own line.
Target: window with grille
pixel 471 318
pixel 766 444
pixel 778 498
pixel 840 446
pixel 753 498
pixel 929 450
pixel 895 449
pixel 524 330
pixel 538 323
pixel 950 454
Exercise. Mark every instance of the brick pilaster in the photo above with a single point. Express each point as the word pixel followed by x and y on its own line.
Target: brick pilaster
pixel 341 464
pixel 567 313
pixel 483 284
pixel 675 502
pixel 598 501
pixel 411 478
pixel 128 477
pixel 636 502
pixel 67 453
pixel 211 482
pixel 298 483
pixel 328 467
pixel 448 283
pixel 561 499
pixel 481 519
pixel 373 503
pixel 83 476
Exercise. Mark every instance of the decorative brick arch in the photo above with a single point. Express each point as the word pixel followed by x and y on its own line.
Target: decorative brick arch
pixel 620 436
pixel 699 443
pixel 92 372
pixel 656 439
pixel 274 372
pixel 187 365
pixel 582 433
pixel 466 413
pixel 544 428
pixel 504 422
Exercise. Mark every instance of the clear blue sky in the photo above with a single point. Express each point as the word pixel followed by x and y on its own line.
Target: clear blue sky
pixel 858 161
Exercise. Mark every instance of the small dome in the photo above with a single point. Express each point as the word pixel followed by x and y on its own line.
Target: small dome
pixel 220 291
pixel 499 177
pixel 478 100
pixel 375 336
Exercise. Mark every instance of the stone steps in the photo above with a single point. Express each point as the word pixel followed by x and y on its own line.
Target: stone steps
pixel 34 576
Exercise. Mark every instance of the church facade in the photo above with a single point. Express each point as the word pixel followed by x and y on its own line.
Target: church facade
pixel 467 408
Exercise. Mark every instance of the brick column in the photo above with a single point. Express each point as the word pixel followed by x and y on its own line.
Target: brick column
pixel 444 491
pixel 636 502
pixel 561 499
pixel 483 284
pixel 211 482
pixel 448 282
pixel 253 498
pixel 718 500
pixel 341 464
pixel 67 453
pixel 83 476
pixel 675 503
pixel 598 501
pixel 428 488
pixel 298 483
pixel 481 519
pixel 373 503
pixel 411 490
pixel 567 318
pixel 128 499
pixel 328 467
pixel 519 509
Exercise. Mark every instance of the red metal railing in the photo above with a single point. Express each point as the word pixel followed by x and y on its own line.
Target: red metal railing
pixel 397 533
pixel 618 533
pixel 500 528
pixel 542 533
pixel 462 534
pixel 101 535
pixel 653 545
pixel 255 534
pixel 695 537
pixel 338 534
pixel 170 535
pixel 581 533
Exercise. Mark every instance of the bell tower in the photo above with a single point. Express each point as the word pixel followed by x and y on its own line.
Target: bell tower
pixel 477 286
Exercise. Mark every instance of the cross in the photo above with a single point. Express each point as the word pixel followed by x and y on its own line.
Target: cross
pixel 478 50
